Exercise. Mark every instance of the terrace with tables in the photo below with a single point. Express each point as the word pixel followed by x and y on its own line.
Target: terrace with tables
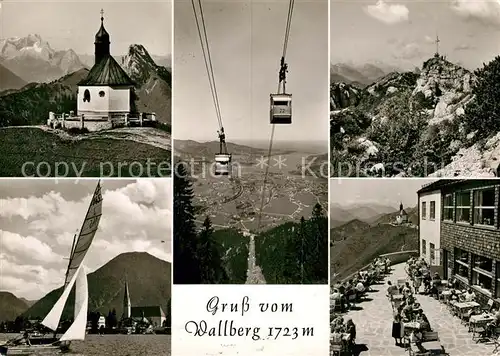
pixel 435 320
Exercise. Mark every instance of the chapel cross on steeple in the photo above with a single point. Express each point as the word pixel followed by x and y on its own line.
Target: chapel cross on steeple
pixel 102 15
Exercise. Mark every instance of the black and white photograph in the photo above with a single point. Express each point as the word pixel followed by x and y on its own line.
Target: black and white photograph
pixel 414 88
pixel 86 88
pixel 85 267
pixel 251 142
pixel 415 266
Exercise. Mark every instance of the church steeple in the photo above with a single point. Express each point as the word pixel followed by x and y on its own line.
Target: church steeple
pixel 400 207
pixel 127 306
pixel 101 42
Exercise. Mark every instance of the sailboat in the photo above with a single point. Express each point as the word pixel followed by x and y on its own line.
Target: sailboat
pixel 76 276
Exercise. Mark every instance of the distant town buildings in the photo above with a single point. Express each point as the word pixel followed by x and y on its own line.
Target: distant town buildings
pixel 460 232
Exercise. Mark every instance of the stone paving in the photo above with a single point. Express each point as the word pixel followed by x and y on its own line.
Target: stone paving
pixel 374 324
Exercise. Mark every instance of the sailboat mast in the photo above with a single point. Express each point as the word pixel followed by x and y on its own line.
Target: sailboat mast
pixel 74 238
pixel 71 256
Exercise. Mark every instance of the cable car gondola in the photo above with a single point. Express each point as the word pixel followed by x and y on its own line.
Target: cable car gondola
pixel 281 108
pixel 223 158
pixel 222 164
pixel 281 103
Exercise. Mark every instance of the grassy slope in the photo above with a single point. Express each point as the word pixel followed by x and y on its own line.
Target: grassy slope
pixel 20 145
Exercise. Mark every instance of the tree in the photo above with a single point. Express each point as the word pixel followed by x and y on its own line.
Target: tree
pixel 211 264
pixel 317 258
pixel 168 315
pixel 186 267
pixel 483 113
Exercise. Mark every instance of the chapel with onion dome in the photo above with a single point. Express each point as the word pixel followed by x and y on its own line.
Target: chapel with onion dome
pixel 107 91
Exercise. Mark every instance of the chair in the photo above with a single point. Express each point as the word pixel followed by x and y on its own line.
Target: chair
pixel 496 343
pixel 479 333
pixel 352 299
pixel 336 349
pixel 430 336
pixel 488 306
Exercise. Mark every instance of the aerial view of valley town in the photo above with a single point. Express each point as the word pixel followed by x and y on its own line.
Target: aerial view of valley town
pixel 85 267
pixel 253 172
pixel 415 267
pixel 85 95
pixel 414 88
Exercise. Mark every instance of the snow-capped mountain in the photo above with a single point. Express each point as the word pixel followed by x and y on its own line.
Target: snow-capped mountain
pixel 34 60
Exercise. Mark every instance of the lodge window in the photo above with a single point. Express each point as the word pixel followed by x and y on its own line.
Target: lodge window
pixel 461 263
pixel 424 247
pixel 432 210
pixel 482 272
pixel 463 206
pixel 484 206
pixel 102 93
pixel 448 207
pixel 432 249
pixel 424 210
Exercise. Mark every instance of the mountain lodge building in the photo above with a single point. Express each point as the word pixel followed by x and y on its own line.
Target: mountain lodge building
pixel 107 90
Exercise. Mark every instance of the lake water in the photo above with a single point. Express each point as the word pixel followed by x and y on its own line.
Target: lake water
pixel 119 345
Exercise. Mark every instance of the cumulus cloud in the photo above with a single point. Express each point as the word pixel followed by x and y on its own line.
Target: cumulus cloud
pixel 388 13
pixel 36 232
pixel 486 12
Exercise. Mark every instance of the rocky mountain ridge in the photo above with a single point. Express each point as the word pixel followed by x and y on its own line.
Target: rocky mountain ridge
pixel 411 124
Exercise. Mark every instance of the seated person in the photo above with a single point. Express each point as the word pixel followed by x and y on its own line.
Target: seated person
pixel 469 296
pixel 336 337
pixel 391 289
pixel 360 288
pixel 454 297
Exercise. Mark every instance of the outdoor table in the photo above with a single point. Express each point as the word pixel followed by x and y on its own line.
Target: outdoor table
pixel 465 306
pixel 478 321
pixel 434 347
pixel 445 295
pixel 412 325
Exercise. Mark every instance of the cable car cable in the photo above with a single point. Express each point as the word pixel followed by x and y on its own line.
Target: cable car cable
pixel 283 70
pixel 223 159
pixel 207 59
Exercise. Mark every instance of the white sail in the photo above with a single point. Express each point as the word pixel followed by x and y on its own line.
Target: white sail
pixel 54 316
pixel 86 235
pixel 77 330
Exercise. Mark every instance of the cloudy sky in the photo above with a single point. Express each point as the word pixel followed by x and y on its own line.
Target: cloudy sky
pixel 381 191
pixel 402 32
pixel 38 219
pixel 246 44
pixel 73 24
